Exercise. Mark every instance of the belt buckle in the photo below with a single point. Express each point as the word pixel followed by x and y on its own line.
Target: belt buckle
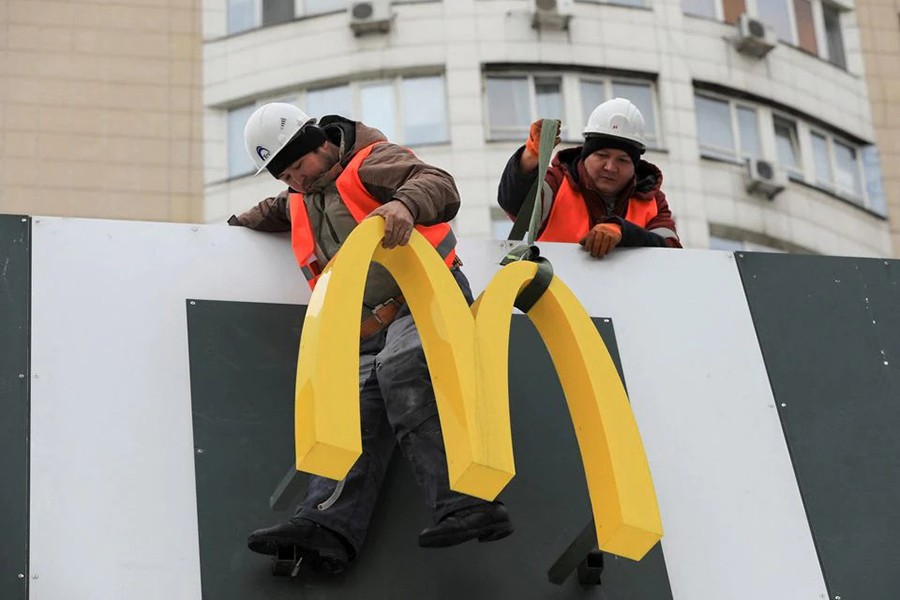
pixel 380 307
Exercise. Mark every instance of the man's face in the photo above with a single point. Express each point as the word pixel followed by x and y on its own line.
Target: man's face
pixel 307 172
pixel 609 171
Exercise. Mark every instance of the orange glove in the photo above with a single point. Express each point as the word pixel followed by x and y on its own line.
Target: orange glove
pixel 534 137
pixel 602 239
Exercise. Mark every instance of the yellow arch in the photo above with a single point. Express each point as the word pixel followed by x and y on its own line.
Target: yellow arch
pixel 467 354
pixel 623 500
pixel 327 431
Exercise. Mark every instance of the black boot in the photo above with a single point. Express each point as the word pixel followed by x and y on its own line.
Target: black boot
pixel 323 548
pixel 487 522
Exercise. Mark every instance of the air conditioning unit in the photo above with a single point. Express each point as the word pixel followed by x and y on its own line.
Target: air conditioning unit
pixel 370 16
pixel 755 38
pixel 551 14
pixel 764 177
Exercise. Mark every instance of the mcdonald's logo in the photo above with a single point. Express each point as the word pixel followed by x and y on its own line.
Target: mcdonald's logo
pixel 467 353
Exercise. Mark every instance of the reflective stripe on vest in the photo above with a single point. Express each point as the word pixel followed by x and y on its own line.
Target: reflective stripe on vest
pixel 569 219
pixel 360 203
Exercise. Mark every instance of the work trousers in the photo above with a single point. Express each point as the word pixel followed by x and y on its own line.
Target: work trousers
pixel 397 407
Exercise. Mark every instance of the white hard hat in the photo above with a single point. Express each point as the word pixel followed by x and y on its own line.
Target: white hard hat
pixel 617 118
pixel 270 128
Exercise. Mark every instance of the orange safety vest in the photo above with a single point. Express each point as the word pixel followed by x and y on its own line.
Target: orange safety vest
pixel 569 219
pixel 360 203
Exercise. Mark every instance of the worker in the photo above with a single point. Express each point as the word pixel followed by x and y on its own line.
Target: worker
pixel 339 172
pixel 601 194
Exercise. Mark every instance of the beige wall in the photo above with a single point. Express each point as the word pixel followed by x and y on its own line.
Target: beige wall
pixel 879 22
pixel 100 108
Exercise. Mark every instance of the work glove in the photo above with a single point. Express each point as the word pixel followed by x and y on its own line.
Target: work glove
pixel 534 137
pixel 600 240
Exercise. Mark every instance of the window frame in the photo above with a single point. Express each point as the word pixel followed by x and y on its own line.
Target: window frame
pixel 818 7
pixel 574 113
pixel 299 98
pixel 396 83
pixel 803 131
pixel 737 155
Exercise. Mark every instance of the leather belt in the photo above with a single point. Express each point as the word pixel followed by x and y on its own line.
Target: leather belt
pixel 381 316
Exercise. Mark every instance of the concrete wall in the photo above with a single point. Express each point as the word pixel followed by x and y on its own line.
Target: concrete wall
pixel 879 23
pixel 100 108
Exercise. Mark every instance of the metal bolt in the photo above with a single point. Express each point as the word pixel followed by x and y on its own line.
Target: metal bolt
pixel 606 320
pixel 34 576
pixel 194 229
pixel 193 303
pixel 783 405
pixel 740 255
pixel 36 376
pixel 22 575
pixel 37 220
pixel 24 221
pixel 21 375
pixel 199 450
pixel 886 363
pixel 837 598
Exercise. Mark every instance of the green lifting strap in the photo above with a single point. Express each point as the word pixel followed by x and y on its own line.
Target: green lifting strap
pixel 532 292
pixel 530 213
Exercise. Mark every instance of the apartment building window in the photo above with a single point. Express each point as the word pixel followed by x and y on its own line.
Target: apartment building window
pixel 408 110
pixel 806 27
pixel 795 22
pixel 250 14
pixel 737 130
pixel 727 129
pixel 239 162
pixel 733 245
pixel 776 13
pixel 787 145
pixel 514 101
pixel 277 11
pixel 335 100
pixel 835 40
pixel 424 110
pixel 242 15
pixel 871 162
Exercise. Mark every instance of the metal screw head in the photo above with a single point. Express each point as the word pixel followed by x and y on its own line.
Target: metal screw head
pixel 193 303
pixel 783 405
pixel 26 220
pixel 21 375
pixel 22 575
pixel 199 450
pixel 34 576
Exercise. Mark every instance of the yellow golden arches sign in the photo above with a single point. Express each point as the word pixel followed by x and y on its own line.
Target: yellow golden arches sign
pixel 467 354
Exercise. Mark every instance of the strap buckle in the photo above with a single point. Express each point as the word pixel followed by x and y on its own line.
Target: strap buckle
pixel 398 300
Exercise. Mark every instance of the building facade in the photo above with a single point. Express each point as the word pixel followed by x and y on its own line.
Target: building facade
pixel 879 24
pixel 100 109
pixel 761 123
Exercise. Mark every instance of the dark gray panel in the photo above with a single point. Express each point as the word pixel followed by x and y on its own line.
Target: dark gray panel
pixel 829 329
pixel 243 360
pixel 15 276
